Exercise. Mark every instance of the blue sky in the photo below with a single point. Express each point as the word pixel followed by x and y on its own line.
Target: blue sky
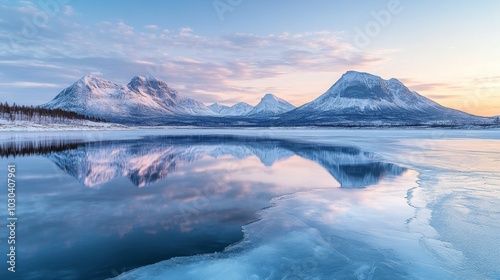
pixel 228 51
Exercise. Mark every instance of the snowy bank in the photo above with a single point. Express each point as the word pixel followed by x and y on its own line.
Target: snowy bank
pixel 73 125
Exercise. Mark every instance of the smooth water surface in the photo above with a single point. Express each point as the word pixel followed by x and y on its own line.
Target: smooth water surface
pixel 280 205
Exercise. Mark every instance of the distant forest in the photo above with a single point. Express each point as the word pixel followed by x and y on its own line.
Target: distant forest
pixel 40 115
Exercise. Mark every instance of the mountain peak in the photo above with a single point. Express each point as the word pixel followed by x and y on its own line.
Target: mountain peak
pixel 271 105
pixel 242 108
pixel 217 108
pixel 367 78
pixel 269 96
pixel 238 109
pixel 355 85
pixel 354 72
pixel 146 81
pixel 90 78
pixel 153 87
pixel 144 78
pixel 360 76
pixel 92 82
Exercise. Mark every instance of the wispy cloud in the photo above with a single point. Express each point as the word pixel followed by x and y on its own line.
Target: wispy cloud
pixel 29 85
pixel 436 86
pixel 203 66
pixel 443 96
pixel 464 85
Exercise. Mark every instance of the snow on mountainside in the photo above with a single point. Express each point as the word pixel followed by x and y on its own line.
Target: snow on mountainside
pixel 355 99
pixel 167 97
pixel 142 97
pixel 238 109
pixel 241 109
pixel 365 92
pixel 271 105
pixel 217 108
pixel 358 96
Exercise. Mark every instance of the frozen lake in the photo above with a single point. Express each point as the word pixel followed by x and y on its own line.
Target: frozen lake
pixel 255 204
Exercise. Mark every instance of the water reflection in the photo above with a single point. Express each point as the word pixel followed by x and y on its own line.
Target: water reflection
pixel 36 147
pixel 152 159
pixel 201 191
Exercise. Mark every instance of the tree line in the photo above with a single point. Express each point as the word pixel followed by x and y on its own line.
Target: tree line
pixel 36 114
pixel 14 149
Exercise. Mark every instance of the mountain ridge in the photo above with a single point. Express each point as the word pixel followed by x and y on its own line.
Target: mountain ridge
pixel 238 109
pixel 142 97
pixel 357 98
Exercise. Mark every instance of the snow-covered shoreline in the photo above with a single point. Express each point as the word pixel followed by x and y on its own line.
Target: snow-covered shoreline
pixel 9 126
pixel 79 125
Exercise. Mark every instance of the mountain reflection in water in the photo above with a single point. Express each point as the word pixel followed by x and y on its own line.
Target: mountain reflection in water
pixel 151 159
pixel 202 191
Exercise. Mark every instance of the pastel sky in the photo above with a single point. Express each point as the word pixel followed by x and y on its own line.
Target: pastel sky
pixel 228 51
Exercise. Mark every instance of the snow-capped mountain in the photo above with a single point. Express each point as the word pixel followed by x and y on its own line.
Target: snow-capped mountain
pixel 358 96
pixel 238 109
pixel 363 92
pixel 169 98
pixel 142 97
pixel 271 105
pixel 217 108
pixel 356 99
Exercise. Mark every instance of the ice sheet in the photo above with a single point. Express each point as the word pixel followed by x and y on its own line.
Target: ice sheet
pixel 438 222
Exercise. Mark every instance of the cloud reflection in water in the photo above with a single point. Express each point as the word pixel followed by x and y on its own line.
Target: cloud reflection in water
pixel 201 191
